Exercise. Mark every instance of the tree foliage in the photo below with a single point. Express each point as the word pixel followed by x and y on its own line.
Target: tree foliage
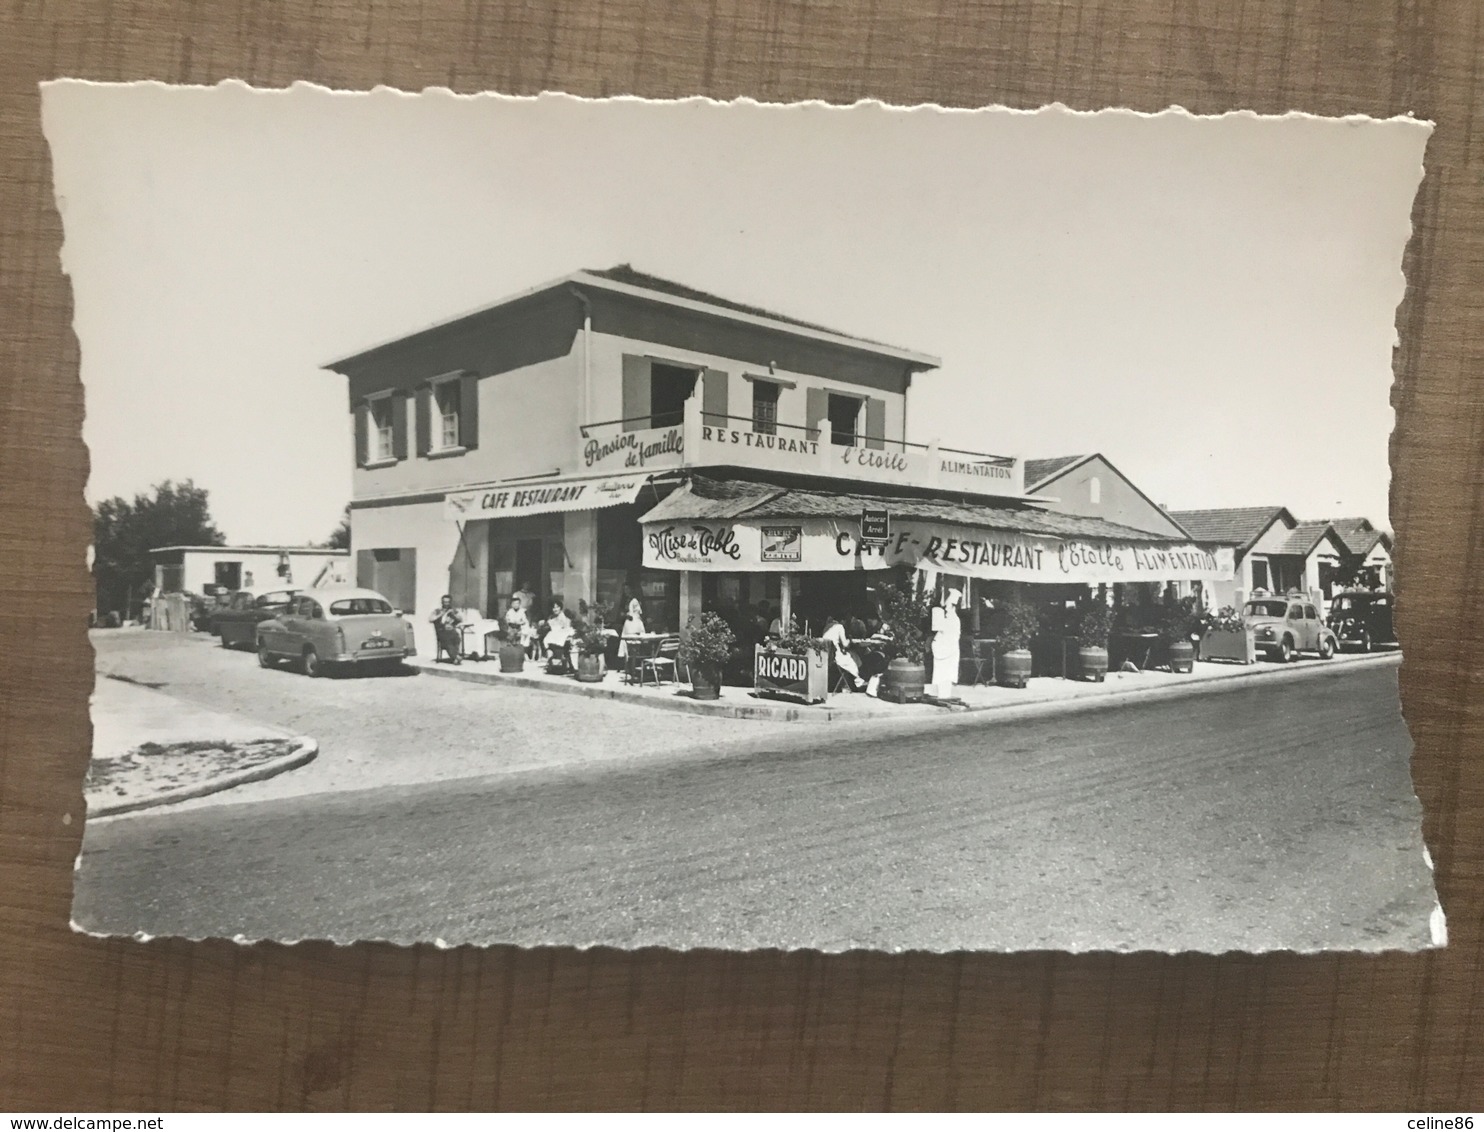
pixel 340 537
pixel 125 531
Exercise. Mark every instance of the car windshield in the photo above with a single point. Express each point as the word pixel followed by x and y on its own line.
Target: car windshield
pixel 1266 608
pixel 355 606
pixel 282 597
pixel 1345 604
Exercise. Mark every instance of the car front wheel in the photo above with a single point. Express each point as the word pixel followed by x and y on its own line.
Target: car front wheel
pixel 1365 641
pixel 312 665
pixel 1326 648
pixel 1285 650
pixel 265 658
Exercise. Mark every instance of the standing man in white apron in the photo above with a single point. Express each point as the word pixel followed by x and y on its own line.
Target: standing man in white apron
pixel 946 631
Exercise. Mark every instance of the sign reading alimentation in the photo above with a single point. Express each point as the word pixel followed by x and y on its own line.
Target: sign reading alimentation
pixel 832 545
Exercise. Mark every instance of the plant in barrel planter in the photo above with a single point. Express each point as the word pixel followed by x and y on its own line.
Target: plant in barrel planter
pixel 1179 629
pixel 792 667
pixel 592 644
pixel 907 614
pixel 1015 625
pixel 705 648
pixel 1093 627
pixel 512 652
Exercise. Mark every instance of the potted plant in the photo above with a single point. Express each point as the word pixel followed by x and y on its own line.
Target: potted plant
pixel 1179 629
pixel 906 613
pixel 1093 627
pixel 512 652
pixel 705 648
pixel 1225 635
pixel 592 647
pixel 1016 624
pixel 793 666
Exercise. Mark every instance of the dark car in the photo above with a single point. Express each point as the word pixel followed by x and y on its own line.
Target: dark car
pixel 1361 620
pixel 237 623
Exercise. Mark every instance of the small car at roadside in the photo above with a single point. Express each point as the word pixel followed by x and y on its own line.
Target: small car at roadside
pixel 340 627
pixel 236 623
pixel 1362 619
pixel 1283 627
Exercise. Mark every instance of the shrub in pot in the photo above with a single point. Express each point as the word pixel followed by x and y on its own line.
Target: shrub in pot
pixel 1179 629
pixel 907 614
pixel 512 652
pixel 592 647
pixel 1093 627
pixel 1015 625
pixel 705 648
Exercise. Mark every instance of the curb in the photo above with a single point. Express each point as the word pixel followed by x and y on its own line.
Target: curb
pixel 304 751
pixel 684 704
pixel 825 714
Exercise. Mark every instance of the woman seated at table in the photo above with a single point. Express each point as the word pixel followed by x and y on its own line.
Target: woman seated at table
pixel 557 640
pixel 839 642
pixel 517 625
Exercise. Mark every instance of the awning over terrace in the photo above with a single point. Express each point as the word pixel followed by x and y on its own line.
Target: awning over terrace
pixel 728 525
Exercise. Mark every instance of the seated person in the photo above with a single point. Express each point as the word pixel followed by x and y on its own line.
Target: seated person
pixel 556 641
pixel 839 642
pixel 447 628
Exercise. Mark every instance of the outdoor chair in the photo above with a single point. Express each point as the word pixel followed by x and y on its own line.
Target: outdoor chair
pixel 663 659
pixel 636 651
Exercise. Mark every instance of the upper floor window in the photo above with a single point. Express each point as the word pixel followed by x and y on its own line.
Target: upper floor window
pixel 765 407
pixel 1095 490
pixel 669 389
pixel 446 404
pixel 844 415
pixel 382 428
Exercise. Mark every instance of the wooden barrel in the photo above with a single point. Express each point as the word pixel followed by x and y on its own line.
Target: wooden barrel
pixel 903 682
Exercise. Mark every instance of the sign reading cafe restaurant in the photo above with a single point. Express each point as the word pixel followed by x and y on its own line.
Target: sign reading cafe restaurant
pixel 828 545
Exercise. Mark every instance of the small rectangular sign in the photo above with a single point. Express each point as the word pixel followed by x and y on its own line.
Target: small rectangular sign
pixel 788 675
pixel 875 525
pixel 782 544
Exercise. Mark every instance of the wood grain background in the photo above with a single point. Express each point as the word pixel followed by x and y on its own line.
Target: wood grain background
pixel 87 1024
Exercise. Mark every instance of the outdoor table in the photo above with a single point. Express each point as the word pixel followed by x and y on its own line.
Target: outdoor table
pixel 637 648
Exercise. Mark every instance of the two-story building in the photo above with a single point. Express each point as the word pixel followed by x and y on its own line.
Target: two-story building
pixel 611 434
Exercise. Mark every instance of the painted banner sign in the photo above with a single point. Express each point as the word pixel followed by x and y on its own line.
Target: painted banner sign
pixel 825 544
pixel 651 448
pixel 508 500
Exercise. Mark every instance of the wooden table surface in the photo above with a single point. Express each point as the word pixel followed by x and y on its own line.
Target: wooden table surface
pixel 88 1024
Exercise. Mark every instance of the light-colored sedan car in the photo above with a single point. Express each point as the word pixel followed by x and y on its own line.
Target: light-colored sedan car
pixel 1284 626
pixel 339 627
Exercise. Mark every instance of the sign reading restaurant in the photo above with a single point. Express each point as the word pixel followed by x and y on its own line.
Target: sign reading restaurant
pixel 505 500
pixel 831 545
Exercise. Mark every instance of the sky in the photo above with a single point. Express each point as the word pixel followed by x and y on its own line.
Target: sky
pixel 1209 302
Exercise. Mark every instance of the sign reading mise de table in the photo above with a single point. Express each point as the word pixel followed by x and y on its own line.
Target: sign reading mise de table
pixel 830 545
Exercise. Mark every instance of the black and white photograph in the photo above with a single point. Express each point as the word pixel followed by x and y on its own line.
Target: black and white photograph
pixel 607 522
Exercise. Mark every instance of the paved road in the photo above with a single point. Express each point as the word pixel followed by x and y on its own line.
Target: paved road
pixel 1273 816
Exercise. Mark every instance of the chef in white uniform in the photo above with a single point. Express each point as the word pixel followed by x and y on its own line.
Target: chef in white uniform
pixel 946 628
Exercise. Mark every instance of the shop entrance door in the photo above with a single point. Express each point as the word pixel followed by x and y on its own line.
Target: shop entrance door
pixel 530 570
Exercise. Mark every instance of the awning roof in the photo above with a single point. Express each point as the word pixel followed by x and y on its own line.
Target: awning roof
pixel 704 498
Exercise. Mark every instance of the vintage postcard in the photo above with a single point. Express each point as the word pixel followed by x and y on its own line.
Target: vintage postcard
pixel 609 522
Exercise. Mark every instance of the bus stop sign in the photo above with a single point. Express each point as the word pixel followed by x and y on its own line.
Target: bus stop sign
pixel 875 525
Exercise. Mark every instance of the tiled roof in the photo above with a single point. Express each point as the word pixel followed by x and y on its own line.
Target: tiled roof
pixel 1358 534
pixel 1038 470
pixel 733 499
pixel 1230 526
pixel 1303 538
pixel 625 274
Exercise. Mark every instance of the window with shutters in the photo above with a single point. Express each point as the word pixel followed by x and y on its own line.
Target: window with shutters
pixel 382 447
pixel 446 402
pixel 669 389
pixel 844 414
pixel 765 407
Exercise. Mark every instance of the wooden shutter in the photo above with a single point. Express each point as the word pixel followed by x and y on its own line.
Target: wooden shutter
pixel 363 434
pixel 424 420
pixel 399 426
pixel 636 402
pixel 469 410
pixel 816 408
pixel 714 398
pixel 875 423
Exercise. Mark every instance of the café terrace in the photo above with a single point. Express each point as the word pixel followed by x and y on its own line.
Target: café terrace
pixel 610 435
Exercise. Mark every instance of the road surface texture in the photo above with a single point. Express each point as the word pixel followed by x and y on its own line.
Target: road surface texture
pixel 400 730
pixel 1276 815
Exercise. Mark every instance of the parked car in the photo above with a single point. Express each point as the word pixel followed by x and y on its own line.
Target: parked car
pixel 1361 619
pixel 333 627
pixel 1282 627
pixel 236 622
